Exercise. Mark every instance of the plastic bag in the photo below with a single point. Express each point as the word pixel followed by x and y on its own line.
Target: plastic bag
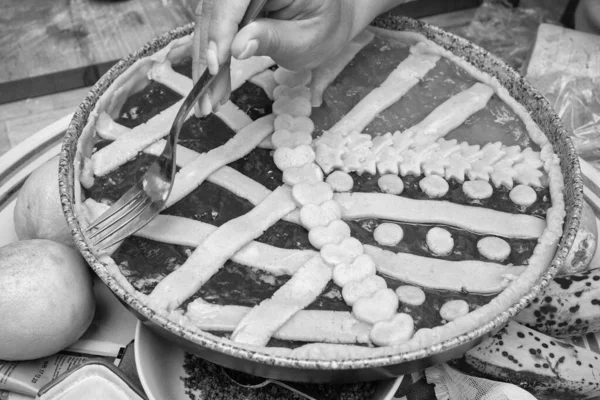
pixel 451 385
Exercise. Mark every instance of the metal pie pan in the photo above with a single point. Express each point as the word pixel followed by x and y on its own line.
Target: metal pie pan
pixel 286 368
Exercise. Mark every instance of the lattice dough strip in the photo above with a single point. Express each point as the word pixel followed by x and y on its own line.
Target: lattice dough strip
pixel 258 325
pixel 242 70
pixel 218 247
pixel 304 326
pixel 128 146
pixel 278 261
pixel 135 78
pixel 163 73
pixel 266 81
pixel 193 174
pixel 451 114
pixel 475 219
pixel 226 177
pixel 231 114
pixel 189 232
pixel 326 73
pixel 397 84
pixel 462 276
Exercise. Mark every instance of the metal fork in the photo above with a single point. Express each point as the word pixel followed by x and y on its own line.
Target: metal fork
pixel 140 204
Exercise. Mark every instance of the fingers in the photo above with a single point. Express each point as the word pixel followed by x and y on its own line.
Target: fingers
pixel 276 5
pixel 287 42
pixel 226 15
pixel 221 89
pixel 200 40
pixel 217 95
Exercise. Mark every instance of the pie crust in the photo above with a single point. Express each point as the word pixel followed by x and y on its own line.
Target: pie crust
pixel 317 193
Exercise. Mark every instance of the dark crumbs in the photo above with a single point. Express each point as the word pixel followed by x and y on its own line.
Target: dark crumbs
pixel 204 380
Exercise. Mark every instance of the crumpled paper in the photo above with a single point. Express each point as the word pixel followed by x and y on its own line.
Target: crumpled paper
pixel 451 384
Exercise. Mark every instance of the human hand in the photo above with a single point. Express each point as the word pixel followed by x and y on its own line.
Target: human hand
pixel 297 33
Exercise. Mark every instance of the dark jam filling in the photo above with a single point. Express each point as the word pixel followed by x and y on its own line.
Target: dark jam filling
pixel 145 104
pixel 145 262
pixel 499 200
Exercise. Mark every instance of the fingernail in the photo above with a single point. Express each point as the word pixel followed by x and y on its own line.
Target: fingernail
pixel 205 104
pixel 249 50
pixel 212 61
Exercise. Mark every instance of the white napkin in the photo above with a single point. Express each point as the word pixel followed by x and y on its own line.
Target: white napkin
pixel 451 384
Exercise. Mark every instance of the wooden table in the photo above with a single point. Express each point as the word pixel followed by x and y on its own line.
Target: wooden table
pixel 51 46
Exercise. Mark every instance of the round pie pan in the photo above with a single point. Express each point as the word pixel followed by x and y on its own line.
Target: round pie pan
pixel 286 368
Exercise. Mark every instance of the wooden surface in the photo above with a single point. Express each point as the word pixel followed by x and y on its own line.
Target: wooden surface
pixel 21 119
pixel 75 41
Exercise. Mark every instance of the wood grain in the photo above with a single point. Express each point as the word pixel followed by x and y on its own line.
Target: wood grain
pixel 21 119
pixel 47 38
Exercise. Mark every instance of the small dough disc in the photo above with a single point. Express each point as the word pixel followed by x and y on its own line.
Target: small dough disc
pixel 453 309
pixel 408 294
pixel 388 234
pixel 340 181
pixel 434 186
pixel 523 195
pixel 390 183
pixel 477 189
pixel 493 248
pixel 440 241
pixel 397 330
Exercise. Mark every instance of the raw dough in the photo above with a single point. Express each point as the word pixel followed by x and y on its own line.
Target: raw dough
pixel 523 195
pixel 388 234
pixel 440 241
pixel 434 186
pixel 477 190
pixel 493 248
pixel 391 184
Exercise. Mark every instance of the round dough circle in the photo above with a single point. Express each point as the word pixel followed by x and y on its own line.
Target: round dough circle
pixel 434 186
pixel 408 294
pixel 340 181
pixel 388 234
pixel 390 183
pixel 493 248
pixel 439 241
pixel 478 189
pixel 523 195
pixel 453 309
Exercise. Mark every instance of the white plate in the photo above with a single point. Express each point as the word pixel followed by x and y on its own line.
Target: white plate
pixel 160 368
pixel 159 365
pixel 113 326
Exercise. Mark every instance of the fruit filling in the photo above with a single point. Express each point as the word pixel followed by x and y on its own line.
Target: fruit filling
pixel 391 191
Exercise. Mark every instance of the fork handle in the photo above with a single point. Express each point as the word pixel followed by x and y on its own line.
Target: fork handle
pixel 166 160
pixel 252 12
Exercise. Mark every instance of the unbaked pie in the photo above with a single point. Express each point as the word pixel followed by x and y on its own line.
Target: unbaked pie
pixel 389 199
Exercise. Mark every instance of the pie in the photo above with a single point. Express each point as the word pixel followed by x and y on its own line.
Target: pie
pixel 388 200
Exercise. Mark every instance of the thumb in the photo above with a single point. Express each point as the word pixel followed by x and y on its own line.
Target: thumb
pixel 286 42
